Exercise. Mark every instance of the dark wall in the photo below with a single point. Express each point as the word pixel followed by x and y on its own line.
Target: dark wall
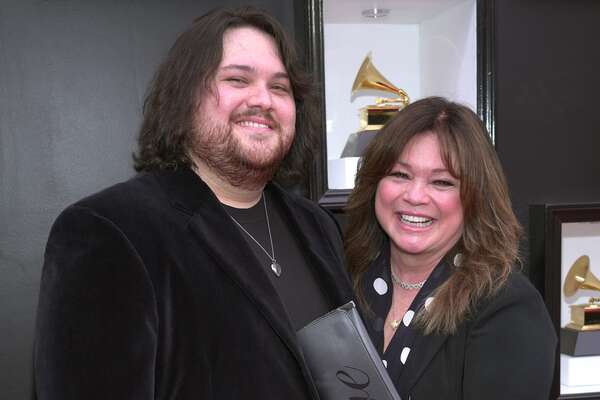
pixel 73 74
pixel 72 78
pixel 548 117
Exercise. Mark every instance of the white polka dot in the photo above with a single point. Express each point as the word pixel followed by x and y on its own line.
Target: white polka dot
pixel 380 286
pixel 458 259
pixel 408 317
pixel 428 302
pixel 384 363
pixel 404 355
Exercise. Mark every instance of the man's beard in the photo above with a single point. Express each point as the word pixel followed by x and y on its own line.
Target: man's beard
pixel 222 152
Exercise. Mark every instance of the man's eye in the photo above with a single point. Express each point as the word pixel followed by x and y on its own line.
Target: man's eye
pixel 281 88
pixel 236 80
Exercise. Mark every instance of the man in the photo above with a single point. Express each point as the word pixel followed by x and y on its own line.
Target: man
pixel 190 280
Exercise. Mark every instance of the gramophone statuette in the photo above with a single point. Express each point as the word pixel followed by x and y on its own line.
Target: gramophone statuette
pixel 584 317
pixel 581 336
pixel 373 117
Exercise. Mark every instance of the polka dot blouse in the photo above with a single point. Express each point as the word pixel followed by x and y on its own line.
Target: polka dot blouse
pixel 377 289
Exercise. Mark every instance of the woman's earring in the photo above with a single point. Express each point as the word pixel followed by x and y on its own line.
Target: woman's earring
pixel 458 259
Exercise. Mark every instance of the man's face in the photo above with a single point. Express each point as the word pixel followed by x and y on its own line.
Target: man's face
pixel 245 124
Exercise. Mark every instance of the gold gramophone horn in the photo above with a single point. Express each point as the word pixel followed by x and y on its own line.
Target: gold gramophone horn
pixel 368 77
pixel 580 277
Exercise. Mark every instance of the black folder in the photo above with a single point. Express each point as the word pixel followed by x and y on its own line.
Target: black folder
pixel 342 359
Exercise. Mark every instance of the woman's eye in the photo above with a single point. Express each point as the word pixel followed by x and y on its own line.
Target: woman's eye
pixel 399 174
pixel 443 183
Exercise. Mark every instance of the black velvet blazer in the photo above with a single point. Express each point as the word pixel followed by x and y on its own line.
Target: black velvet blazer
pixel 150 292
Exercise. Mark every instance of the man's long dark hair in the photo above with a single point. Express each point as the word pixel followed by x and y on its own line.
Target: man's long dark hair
pixel 166 133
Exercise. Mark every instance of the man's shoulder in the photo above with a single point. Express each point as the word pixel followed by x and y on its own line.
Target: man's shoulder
pixel 139 207
pixel 139 191
pixel 147 200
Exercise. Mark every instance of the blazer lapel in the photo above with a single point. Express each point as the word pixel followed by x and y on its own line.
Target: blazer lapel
pixel 232 254
pixel 427 347
pixel 212 227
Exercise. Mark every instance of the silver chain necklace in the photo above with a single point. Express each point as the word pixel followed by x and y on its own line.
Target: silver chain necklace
pixel 406 285
pixel 275 267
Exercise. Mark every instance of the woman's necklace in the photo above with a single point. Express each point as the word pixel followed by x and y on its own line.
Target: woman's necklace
pixel 395 323
pixel 406 285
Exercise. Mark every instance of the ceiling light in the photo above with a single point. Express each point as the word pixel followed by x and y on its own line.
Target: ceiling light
pixel 375 12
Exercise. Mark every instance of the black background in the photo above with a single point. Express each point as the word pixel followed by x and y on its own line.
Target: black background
pixel 547 100
pixel 73 75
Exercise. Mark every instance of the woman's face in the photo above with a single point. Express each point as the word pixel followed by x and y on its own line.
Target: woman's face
pixel 418 203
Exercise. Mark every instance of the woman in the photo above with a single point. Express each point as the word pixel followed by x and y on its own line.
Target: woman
pixel 432 242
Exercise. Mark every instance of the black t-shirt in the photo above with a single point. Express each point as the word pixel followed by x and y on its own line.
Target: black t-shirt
pixel 298 287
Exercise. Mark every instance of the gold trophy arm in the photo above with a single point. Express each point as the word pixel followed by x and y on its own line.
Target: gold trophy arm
pixel 403 99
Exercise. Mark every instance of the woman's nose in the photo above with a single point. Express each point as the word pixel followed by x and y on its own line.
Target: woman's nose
pixel 416 193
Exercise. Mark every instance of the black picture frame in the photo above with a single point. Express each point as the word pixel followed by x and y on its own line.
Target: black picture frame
pixel 335 199
pixel 545 255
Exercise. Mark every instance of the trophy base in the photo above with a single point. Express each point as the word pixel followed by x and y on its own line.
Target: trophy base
pixel 375 117
pixel 579 342
pixel 342 172
pixel 357 143
pixel 579 372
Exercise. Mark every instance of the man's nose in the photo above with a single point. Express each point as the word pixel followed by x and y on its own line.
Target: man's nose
pixel 260 96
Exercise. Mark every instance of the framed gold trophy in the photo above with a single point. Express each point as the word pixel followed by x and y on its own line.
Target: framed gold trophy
pixel 373 58
pixel 565 265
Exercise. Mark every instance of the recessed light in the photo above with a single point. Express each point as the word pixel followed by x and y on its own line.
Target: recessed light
pixel 375 12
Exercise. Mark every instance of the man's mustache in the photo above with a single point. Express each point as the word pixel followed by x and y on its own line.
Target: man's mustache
pixel 257 112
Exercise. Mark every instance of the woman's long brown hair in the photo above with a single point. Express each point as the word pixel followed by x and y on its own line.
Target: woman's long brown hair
pixel 490 240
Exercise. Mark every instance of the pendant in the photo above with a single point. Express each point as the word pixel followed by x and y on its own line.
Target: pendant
pixel 276 268
pixel 395 323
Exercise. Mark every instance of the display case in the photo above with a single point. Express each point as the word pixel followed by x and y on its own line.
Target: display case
pixel 565 265
pixel 441 48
